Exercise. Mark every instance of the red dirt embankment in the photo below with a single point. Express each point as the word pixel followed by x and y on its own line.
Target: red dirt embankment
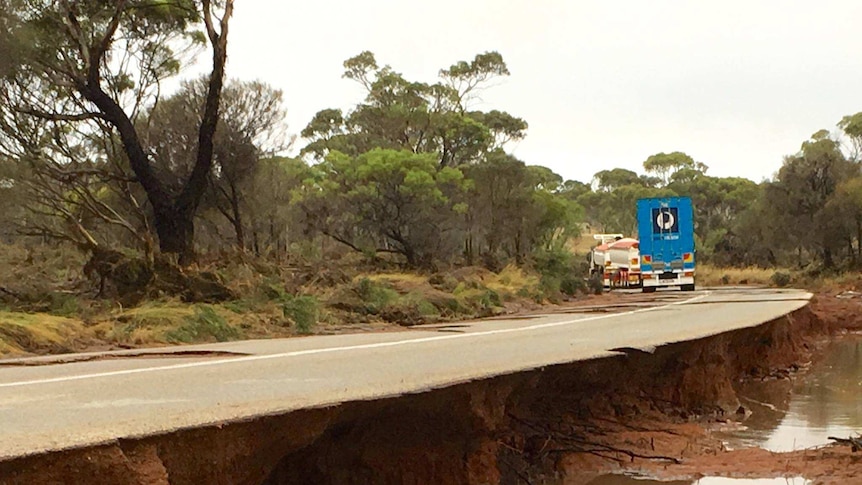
pixel 637 411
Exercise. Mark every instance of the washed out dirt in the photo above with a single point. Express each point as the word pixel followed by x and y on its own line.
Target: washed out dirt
pixel 639 412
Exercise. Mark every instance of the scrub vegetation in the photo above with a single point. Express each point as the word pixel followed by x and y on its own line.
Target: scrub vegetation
pixel 132 216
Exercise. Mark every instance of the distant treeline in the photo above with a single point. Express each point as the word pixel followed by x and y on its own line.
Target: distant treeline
pixel 91 152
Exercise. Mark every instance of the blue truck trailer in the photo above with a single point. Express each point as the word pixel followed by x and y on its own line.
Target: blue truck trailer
pixel 666 235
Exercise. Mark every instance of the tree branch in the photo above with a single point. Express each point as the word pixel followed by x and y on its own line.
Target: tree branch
pixel 61 116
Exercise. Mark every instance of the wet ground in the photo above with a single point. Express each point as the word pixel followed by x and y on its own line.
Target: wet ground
pixel 826 401
pixel 790 415
pixel 621 480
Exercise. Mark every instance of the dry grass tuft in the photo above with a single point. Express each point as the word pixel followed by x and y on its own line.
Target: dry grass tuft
pixel 58 311
pixel 169 322
pixel 400 282
pixel 513 282
pixel 39 333
pixel 708 275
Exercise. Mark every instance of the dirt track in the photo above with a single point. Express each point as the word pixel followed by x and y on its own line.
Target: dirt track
pixel 640 411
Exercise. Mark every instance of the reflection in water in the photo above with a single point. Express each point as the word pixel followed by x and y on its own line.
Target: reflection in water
pixel 788 416
pixel 825 402
pixel 752 481
pixel 624 480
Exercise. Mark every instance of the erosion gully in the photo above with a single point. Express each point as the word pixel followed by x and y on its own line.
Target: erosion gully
pixel 753 406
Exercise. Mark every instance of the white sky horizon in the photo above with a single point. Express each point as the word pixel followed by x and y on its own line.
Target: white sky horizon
pixel 737 85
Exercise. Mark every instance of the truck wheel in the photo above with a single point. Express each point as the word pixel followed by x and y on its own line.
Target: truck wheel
pixel 687 287
pixel 649 289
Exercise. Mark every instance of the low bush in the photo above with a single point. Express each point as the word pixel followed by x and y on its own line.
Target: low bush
pixel 206 324
pixel 780 279
pixel 562 272
pixel 303 310
pixel 375 295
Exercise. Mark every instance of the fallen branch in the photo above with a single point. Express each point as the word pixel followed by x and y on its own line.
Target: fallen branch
pixel 13 294
pixel 854 443
pixel 600 450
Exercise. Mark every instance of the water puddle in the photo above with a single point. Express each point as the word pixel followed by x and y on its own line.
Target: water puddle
pixel 824 402
pixel 626 480
pixel 790 415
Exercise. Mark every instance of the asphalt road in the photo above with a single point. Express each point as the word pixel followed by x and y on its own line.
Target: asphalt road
pixel 61 405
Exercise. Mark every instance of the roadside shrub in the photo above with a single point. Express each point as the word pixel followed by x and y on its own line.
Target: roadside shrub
pixel 443 282
pixel 780 279
pixel 596 284
pixel 63 304
pixel 238 306
pixel 570 285
pixel 410 309
pixel 375 295
pixel 490 299
pixel 205 324
pixel 303 310
pixel 272 288
pixel 561 271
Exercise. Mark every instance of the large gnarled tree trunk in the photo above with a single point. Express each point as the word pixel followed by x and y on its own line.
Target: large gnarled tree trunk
pixel 173 216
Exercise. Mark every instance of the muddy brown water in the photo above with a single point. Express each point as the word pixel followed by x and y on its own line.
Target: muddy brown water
pixel 623 480
pixel 791 415
pixel 826 401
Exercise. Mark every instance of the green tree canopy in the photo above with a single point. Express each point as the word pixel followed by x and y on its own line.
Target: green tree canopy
pixel 665 165
pixel 800 192
pixel 515 208
pixel 87 66
pixel 399 114
pixel 386 201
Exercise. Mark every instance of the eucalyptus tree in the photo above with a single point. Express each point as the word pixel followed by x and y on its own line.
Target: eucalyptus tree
pixel 665 165
pixel 400 114
pixel 89 66
pixel 800 193
pixel 251 127
pixel 515 208
pixel 386 201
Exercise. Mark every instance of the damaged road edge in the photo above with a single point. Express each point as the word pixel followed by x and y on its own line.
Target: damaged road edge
pixel 490 431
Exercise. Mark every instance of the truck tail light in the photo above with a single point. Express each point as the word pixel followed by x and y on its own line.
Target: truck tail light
pixel 688 257
pixel 647 259
pixel 634 261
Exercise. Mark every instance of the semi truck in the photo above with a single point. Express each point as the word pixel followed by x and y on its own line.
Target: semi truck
pixel 666 240
pixel 615 261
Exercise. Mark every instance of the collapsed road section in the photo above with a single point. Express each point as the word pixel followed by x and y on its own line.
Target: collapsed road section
pixel 512 428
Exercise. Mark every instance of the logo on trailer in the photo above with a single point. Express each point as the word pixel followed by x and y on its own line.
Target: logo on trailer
pixel 665 219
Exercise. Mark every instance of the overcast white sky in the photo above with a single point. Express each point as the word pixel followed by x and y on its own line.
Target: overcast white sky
pixel 735 84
